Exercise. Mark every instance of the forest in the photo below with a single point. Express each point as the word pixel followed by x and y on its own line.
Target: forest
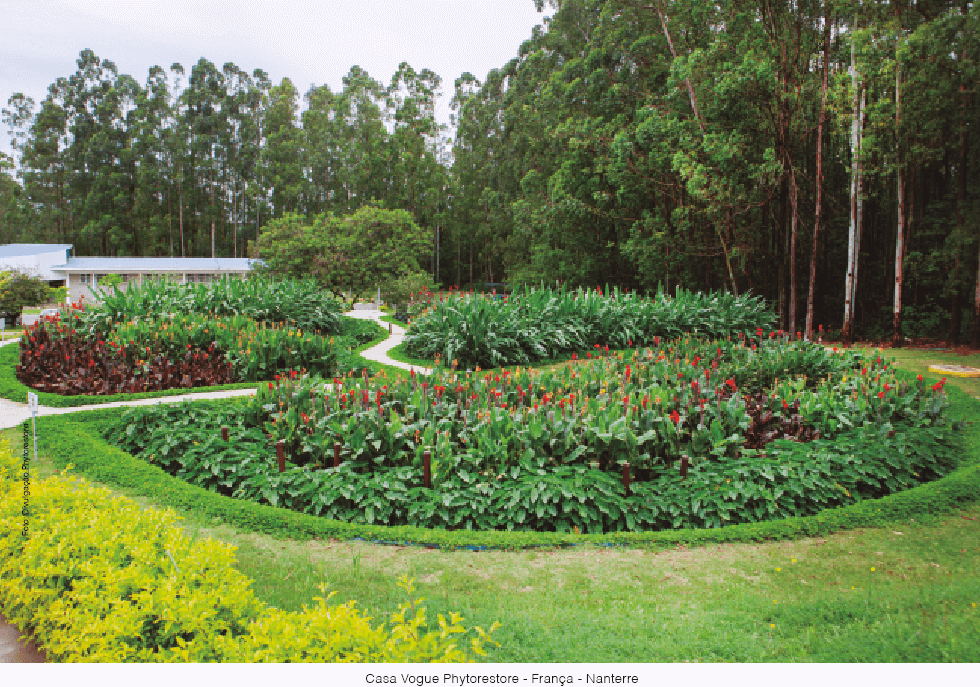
pixel 821 154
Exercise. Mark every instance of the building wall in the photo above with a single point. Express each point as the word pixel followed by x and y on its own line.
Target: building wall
pixel 38 265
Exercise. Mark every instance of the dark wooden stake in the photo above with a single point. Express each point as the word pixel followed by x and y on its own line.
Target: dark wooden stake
pixel 427 465
pixel 336 455
pixel 683 467
pixel 224 434
pixel 626 477
pixel 281 455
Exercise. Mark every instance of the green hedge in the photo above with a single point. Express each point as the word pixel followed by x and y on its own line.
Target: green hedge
pixel 77 439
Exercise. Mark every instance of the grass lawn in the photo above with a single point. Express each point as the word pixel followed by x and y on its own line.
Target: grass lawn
pixel 906 592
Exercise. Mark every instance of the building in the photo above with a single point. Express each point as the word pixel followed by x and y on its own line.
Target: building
pixel 36 260
pixel 84 274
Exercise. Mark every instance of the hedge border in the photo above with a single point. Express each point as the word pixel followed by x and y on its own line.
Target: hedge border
pixel 76 439
pixel 13 389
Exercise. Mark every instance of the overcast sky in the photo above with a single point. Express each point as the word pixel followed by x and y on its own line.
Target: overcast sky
pixel 311 42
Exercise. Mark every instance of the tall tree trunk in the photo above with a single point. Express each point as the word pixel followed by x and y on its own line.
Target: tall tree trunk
pixel 900 230
pixel 180 214
pixel 860 211
pixel 792 248
pixel 811 293
pixel 956 311
pixel 848 329
pixel 212 217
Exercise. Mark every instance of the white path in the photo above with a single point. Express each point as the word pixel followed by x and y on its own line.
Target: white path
pixel 13 413
pixel 379 353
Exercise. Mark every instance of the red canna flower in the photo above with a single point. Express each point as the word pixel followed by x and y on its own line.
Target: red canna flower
pixel 675 416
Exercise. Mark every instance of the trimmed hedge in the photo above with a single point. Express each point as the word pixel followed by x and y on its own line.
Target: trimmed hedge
pixel 78 440
pixel 150 593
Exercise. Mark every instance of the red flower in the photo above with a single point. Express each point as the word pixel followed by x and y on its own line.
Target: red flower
pixel 675 416
pixel 188 347
pixel 919 377
pixel 271 386
pixel 881 394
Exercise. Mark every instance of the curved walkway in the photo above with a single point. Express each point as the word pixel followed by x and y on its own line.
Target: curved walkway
pixel 12 414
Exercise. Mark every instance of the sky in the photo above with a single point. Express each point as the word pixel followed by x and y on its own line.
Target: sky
pixel 308 41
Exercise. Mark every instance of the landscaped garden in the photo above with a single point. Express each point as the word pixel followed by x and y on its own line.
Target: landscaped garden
pixel 886 579
pixel 163 336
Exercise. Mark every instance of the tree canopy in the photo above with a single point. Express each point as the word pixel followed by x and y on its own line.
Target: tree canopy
pixel 821 153
pixel 348 255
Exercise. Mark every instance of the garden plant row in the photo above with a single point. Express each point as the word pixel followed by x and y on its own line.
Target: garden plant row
pixel 534 324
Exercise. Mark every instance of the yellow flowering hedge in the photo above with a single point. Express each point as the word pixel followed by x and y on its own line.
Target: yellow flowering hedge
pixel 99 579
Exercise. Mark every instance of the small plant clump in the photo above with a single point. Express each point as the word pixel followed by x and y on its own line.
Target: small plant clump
pixel 687 433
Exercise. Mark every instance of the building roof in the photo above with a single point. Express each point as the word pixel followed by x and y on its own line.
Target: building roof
pixel 19 250
pixel 129 265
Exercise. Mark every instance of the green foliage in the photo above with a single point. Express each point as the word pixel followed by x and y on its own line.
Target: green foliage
pixel 534 324
pixel 18 290
pixel 398 292
pixel 353 254
pixel 77 440
pixel 299 303
pixel 521 450
pixel 150 593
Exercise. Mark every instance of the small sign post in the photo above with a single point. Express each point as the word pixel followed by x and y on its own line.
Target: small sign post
pixel 32 406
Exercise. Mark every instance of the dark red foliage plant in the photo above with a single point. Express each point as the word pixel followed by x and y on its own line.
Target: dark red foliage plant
pixel 55 358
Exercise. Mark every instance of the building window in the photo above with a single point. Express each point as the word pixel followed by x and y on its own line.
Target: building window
pixel 86 279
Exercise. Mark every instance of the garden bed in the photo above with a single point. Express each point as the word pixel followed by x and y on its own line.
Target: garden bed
pixel 694 434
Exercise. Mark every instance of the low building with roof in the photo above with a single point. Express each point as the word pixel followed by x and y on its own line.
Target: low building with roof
pixel 84 273
pixel 36 260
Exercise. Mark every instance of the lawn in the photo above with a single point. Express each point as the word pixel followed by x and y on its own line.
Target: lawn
pixel 907 591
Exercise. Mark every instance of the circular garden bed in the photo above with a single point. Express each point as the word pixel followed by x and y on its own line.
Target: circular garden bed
pixel 689 433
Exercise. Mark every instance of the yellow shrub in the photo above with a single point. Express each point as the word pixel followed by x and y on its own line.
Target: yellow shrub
pixel 99 579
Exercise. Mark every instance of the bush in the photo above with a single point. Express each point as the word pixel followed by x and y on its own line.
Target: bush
pixel 18 289
pixel 151 594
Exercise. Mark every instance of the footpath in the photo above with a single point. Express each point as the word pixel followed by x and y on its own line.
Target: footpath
pixel 12 413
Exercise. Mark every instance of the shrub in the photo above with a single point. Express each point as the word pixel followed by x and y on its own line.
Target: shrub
pixel 150 594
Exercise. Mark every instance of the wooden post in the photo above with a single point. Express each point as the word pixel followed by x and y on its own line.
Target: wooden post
pixel 224 434
pixel 684 467
pixel 389 327
pixel 281 455
pixel 427 466
pixel 336 455
pixel 626 477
